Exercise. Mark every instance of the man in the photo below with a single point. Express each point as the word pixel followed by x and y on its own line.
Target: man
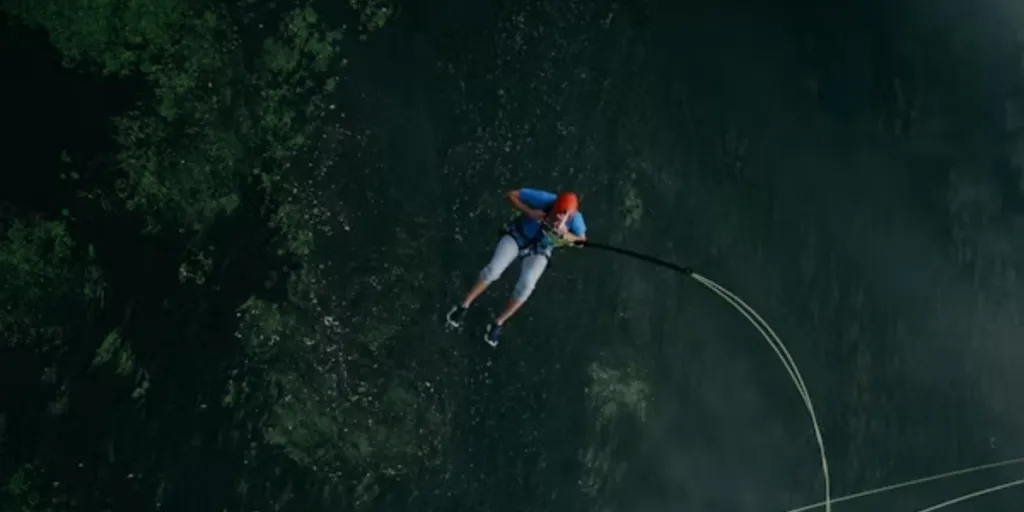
pixel 544 220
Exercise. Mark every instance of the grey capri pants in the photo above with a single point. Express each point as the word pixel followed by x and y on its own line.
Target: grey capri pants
pixel 505 253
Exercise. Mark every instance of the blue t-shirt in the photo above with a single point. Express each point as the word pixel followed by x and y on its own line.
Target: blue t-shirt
pixel 540 200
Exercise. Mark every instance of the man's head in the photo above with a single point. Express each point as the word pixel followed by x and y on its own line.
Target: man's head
pixel 563 208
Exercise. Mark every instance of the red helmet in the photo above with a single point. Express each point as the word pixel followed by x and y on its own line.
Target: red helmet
pixel 566 202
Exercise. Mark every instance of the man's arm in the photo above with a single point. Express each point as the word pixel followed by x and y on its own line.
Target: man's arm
pixel 513 197
pixel 574 226
pixel 568 235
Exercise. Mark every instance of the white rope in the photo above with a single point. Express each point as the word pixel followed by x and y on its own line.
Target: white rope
pixel 762 327
pixel 787 361
pixel 794 374
pixel 974 494
pixel 910 483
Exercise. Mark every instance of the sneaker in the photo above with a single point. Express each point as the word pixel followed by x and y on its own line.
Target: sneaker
pixel 456 315
pixel 493 333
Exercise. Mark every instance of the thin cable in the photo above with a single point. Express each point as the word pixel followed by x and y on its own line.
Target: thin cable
pixel 909 483
pixel 707 282
pixel 973 495
pixel 738 303
pixel 687 271
pixel 724 294
pixel 794 373
pixel 762 327
pixel 787 361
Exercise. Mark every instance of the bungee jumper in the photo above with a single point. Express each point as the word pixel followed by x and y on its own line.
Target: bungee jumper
pixel 545 220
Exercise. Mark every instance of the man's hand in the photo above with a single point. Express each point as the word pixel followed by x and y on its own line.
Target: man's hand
pixel 537 215
pixel 568 238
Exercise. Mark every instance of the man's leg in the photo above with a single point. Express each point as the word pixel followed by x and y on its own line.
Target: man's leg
pixel 504 254
pixel 533 267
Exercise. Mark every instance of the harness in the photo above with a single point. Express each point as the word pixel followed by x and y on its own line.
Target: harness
pixel 527 244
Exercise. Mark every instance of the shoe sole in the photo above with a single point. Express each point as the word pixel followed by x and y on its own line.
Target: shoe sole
pixel 487 338
pixel 449 323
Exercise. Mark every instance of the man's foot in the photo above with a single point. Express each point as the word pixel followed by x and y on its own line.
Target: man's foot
pixel 493 333
pixel 455 316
